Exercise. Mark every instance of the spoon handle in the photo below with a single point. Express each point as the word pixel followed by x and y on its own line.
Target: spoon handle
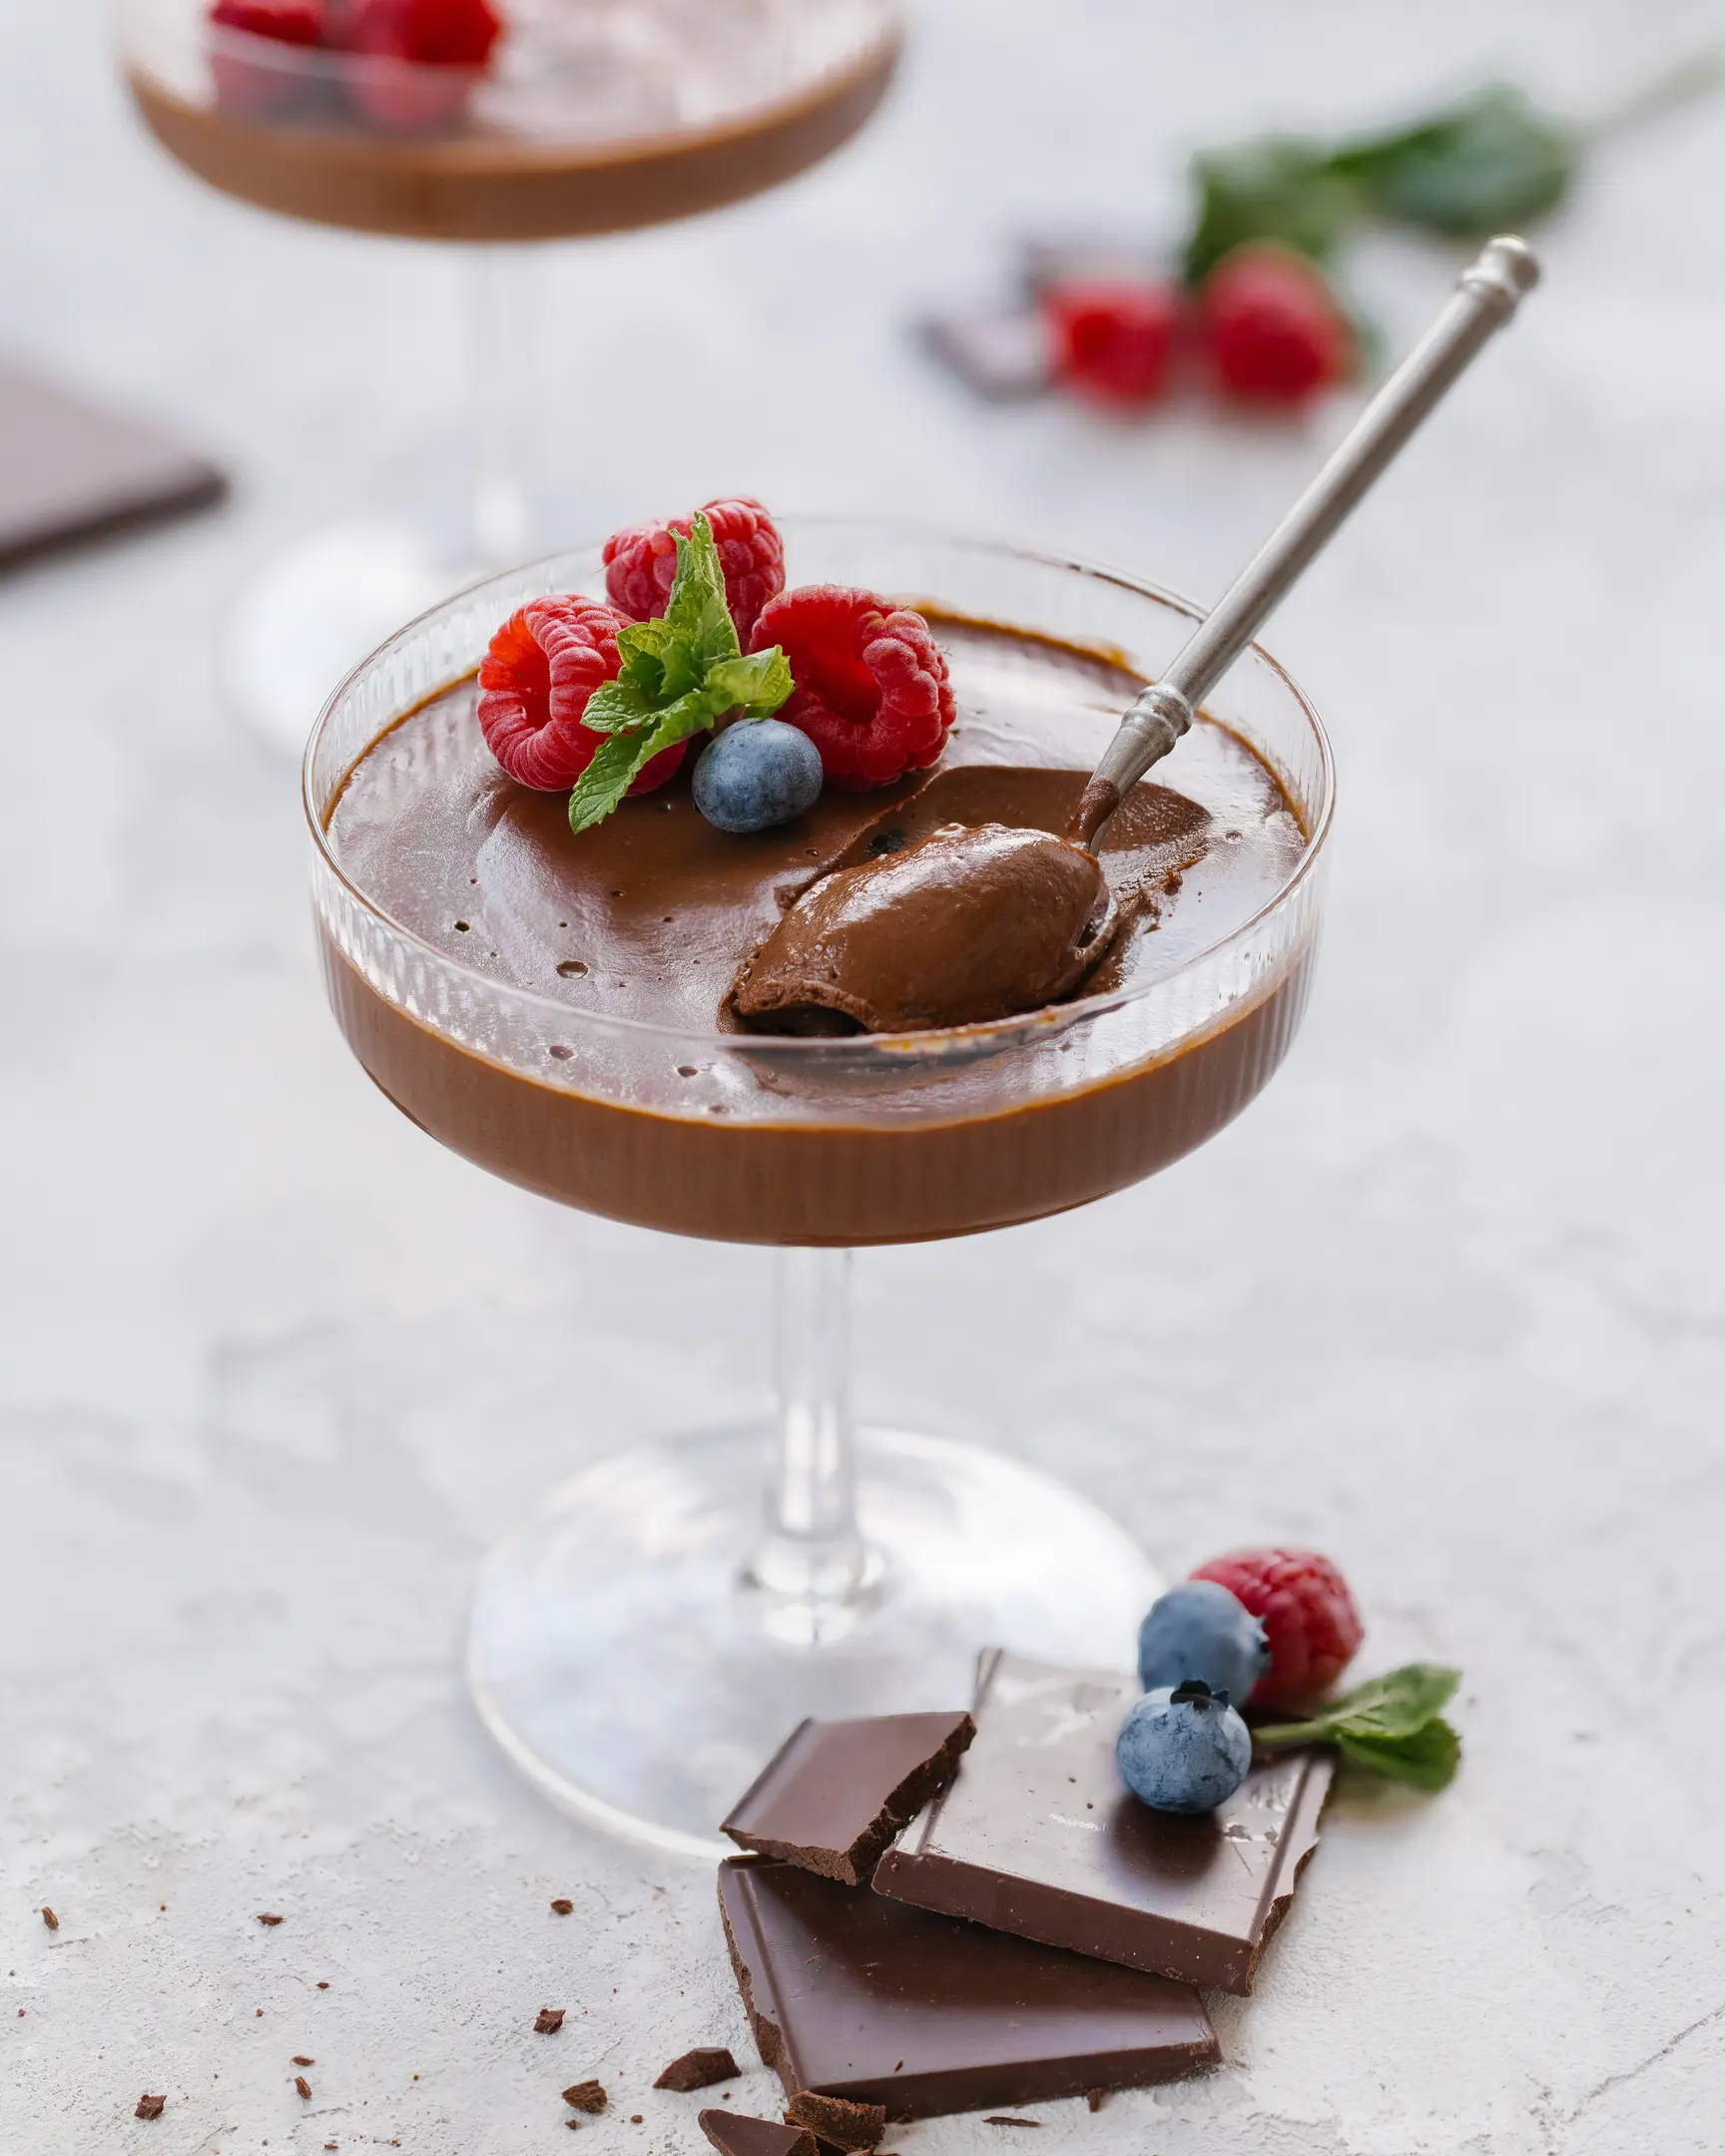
pixel 1484 299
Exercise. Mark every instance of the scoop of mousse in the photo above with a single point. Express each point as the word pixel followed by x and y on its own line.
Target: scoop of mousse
pixel 971 924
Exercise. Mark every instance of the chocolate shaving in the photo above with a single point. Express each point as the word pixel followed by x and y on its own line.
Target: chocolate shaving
pixel 586 2096
pixel 550 2020
pixel 699 2069
pixel 267 1918
pixel 299 2060
pixel 848 2125
pixel 150 2106
pixel 1095 2098
pixel 1001 2121
pixel 303 2085
pixel 49 1917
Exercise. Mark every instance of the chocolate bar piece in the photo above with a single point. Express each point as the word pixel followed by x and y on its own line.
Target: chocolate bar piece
pixel 732 2134
pixel 700 2068
pixel 838 2120
pixel 852 1996
pixel 69 470
pixel 1040 1837
pixel 835 1793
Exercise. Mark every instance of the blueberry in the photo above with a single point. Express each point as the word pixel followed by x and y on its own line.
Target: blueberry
pixel 757 774
pixel 1182 1747
pixel 1201 1630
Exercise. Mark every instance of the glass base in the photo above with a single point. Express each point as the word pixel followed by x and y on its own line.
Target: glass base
pixel 623 1659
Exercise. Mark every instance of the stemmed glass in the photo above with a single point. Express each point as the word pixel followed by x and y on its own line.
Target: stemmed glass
pixel 590 117
pixel 641 1643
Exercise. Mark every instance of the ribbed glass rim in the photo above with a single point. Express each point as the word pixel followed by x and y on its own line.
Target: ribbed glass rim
pixel 933 1042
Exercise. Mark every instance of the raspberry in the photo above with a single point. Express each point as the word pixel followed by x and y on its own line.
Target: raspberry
pixel 1113 338
pixel 257 87
pixel 1308 1613
pixel 872 689
pixel 534 681
pixel 444 42
pixel 1270 327
pixel 641 562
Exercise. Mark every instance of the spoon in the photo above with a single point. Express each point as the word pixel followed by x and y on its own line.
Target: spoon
pixel 978 924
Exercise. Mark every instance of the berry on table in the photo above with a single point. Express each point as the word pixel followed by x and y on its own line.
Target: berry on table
pixel 444 44
pixel 1199 1629
pixel 641 562
pixel 254 85
pixel 534 681
pixel 1113 338
pixel 872 692
pixel 1182 1747
pixel 756 774
pixel 1309 1616
pixel 1270 329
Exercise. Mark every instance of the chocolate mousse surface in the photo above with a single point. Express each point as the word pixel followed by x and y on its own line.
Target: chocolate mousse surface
pixel 1039 1835
pixel 855 1996
pixel 649 915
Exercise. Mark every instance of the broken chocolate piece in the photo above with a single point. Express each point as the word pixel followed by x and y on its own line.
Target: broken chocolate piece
pixel 1039 1835
pixel 971 924
pixel 700 2068
pixel 838 2120
pixel 150 2106
pixel 835 1793
pixel 549 2021
pixel 1095 2098
pixel 852 1996
pixel 299 2060
pixel 268 1919
pixel 732 2134
pixel 586 2096
pixel 303 2086
pixel 561 1908
pixel 49 1917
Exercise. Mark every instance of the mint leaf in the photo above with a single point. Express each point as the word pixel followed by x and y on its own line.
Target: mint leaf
pixel 1390 1724
pixel 1489 163
pixel 1425 1759
pixel 678 677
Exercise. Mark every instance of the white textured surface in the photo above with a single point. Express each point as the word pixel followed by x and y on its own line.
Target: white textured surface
pixel 1449 1301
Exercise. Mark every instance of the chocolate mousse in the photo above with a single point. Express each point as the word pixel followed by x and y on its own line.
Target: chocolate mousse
pixel 585 122
pixel 645 1108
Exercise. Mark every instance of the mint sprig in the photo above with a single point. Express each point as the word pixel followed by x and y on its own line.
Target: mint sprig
pixel 679 676
pixel 1390 1725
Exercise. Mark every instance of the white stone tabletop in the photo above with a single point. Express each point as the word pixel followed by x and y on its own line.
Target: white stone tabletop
pixel 1449 1302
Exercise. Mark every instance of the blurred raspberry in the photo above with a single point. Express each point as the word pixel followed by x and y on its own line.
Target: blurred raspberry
pixel 1113 338
pixel 1308 1613
pixel 534 681
pixel 1270 329
pixel 872 689
pixel 416 60
pixel 641 562
pixel 256 86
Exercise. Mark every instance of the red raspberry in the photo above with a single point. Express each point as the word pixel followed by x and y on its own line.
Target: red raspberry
pixel 534 681
pixel 872 689
pixel 1270 327
pixel 1113 338
pixel 1308 1613
pixel 641 562
pixel 257 87
pixel 445 42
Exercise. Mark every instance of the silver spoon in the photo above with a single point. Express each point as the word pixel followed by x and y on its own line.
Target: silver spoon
pixel 1485 297
pixel 980 923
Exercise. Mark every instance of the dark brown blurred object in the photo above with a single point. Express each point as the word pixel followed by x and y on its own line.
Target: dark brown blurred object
pixel 72 472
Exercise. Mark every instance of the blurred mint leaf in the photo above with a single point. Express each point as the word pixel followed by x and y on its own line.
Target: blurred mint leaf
pixel 1276 187
pixel 678 677
pixel 1392 1725
pixel 1487 164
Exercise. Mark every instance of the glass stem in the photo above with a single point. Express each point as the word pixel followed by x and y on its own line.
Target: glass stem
pixel 812 1564
pixel 502 352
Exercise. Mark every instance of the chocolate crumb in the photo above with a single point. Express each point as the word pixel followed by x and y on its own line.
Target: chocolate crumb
pixel 574 2125
pixel 561 1908
pixel 1095 2098
pixel 299 2060
pixel 1011 2122
pixel 303 2085
pixel 586 2096
pixel 150 2106
pixel 699 2069
pixel 635 2118
pixel 49 1917
pixel 323 1988
pixel 269 1918
pixel 549 2022
pixel 853 2126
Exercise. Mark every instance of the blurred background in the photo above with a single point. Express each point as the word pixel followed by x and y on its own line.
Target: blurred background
pixel 1449 1302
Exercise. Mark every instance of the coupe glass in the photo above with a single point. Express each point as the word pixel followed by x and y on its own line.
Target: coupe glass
pixel 593 116
pixel 642 1643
